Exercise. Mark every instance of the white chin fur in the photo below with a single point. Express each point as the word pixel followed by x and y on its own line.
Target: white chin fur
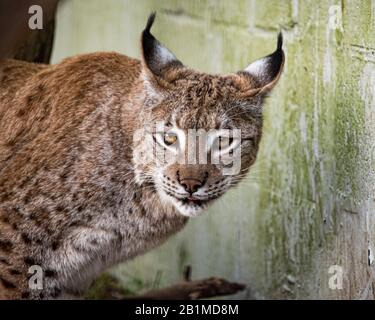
pixel 188 210
pixel 184 209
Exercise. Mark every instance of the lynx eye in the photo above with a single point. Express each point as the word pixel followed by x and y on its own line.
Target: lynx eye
pixel 165 139
pixel 224 144
pixel 170 138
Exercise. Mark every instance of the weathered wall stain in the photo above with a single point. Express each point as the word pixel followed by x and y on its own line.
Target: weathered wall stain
pixel 309 202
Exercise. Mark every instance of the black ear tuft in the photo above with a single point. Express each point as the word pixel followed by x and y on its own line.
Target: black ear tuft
pixel 266 71
pixel 279 41
pixel 276 59
pixel 156 57
pixel 148 40
pixel 150 21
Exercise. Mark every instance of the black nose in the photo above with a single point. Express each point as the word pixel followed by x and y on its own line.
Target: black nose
pixel 191 185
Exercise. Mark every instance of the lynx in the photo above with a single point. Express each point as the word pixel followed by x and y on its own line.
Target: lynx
pixel 77 193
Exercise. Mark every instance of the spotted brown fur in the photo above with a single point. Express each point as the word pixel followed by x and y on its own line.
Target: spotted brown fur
pixel 73 199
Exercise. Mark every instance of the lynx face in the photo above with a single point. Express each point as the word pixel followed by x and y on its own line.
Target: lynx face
pixel 201 132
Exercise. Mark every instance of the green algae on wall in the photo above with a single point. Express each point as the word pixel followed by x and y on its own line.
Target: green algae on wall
pixel 308 204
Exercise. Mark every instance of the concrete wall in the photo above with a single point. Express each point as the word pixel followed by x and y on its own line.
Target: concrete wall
pixel 309 202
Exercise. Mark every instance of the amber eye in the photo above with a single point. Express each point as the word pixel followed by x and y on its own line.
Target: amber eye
pixel 224 142
pixel 170 138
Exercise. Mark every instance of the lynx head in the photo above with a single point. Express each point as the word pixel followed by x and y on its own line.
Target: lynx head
pixel 201 132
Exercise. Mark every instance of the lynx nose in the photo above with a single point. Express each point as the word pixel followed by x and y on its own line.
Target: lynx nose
pixel 191 185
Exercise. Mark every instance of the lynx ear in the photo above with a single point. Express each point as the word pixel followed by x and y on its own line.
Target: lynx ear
pixel 156 57
pixel 266 71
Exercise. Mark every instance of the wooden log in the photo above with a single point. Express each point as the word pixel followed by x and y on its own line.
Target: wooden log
pixel 191 290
